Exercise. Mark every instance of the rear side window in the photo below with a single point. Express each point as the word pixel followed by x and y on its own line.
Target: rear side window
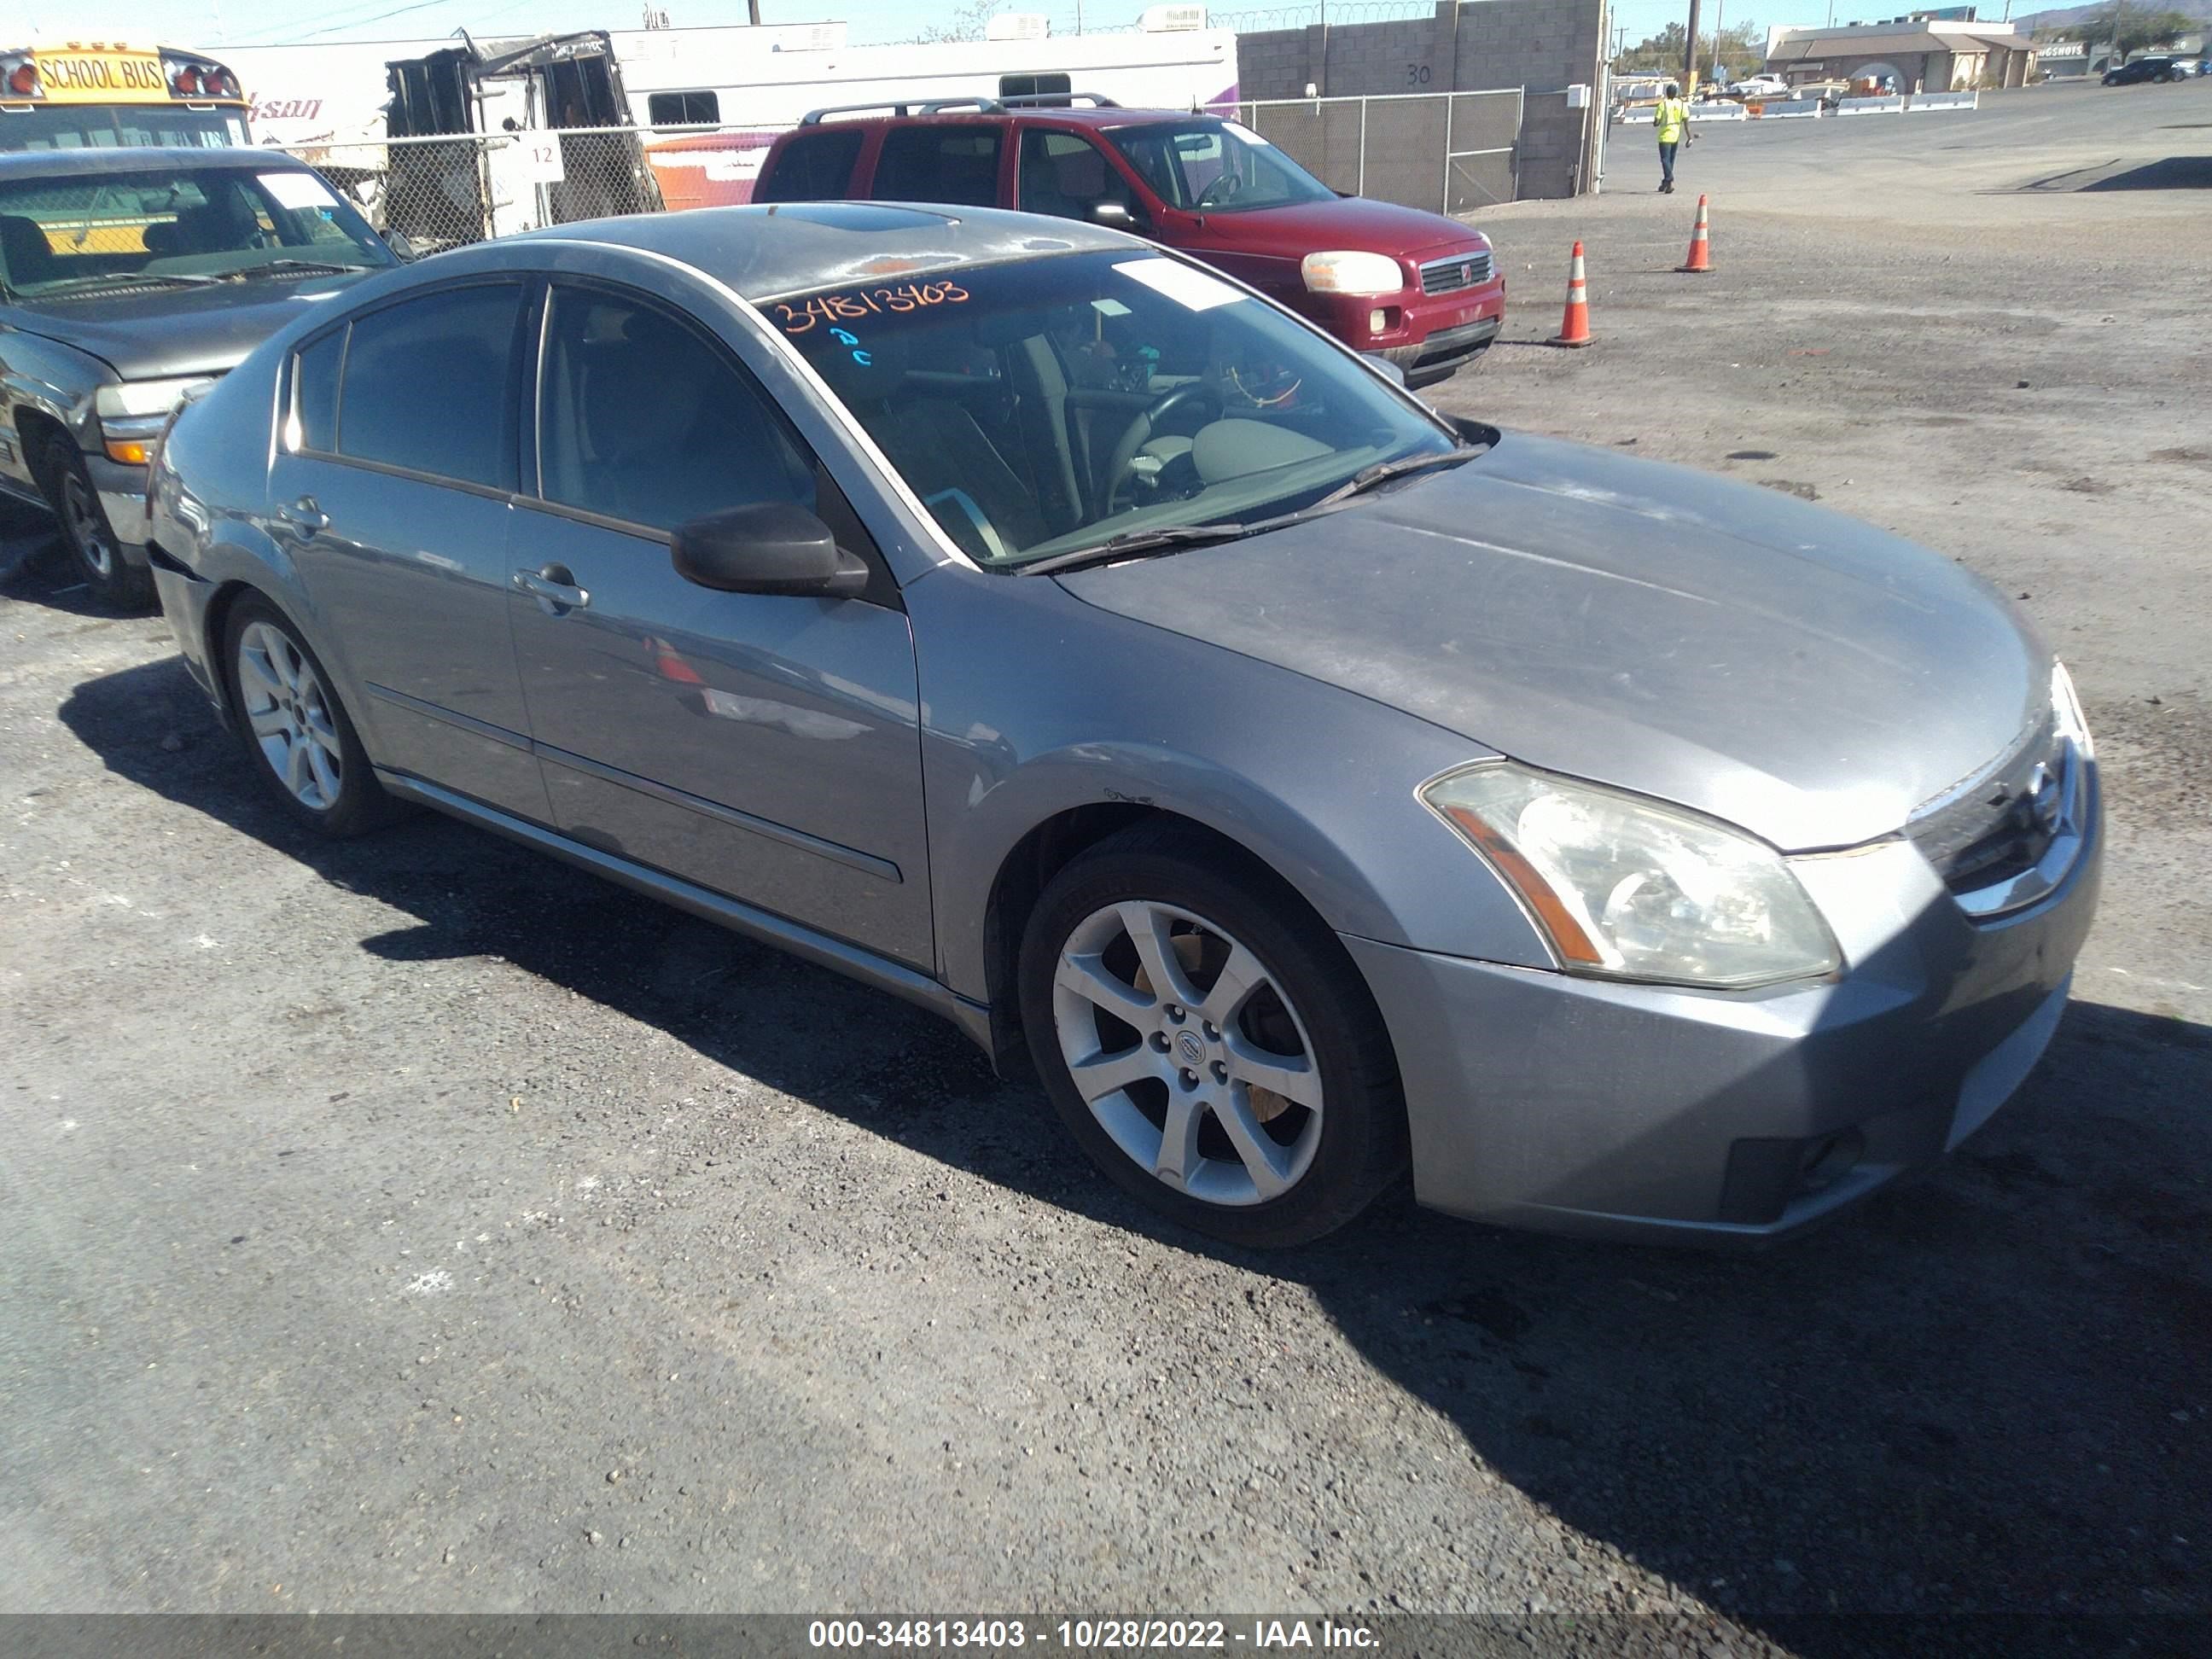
pixel 428 385
pixel 315 395
pixel 815 167
pixel 939 164
pixel 678 109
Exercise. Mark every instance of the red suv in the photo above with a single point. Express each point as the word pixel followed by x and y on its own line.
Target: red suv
pixel 1416 289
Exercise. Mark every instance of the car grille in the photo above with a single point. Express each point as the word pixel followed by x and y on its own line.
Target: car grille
pixel 1989 831
pixel 1460 270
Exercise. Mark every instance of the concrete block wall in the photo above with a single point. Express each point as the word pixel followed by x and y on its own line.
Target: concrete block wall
pixel 1543 46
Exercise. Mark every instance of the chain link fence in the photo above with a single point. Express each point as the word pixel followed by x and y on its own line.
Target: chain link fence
pixel 1447 152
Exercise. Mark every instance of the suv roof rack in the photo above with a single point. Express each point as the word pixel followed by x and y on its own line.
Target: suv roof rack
pixel 981 106
pixel 1058 100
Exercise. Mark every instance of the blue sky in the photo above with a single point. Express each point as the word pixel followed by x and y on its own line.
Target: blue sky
pixel 211 23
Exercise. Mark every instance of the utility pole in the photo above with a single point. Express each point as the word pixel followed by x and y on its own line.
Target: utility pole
pixel 752 11
pixel 1690 54
pixel 1719 9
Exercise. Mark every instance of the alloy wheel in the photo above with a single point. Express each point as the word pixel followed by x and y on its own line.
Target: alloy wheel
pixel 284 705
pixel 1188 1053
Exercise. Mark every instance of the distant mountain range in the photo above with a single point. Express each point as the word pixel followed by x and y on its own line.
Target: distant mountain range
pixel 2061 17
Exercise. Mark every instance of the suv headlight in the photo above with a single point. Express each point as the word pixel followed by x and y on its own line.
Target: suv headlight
pixel 133 413
pixel 1627 888
pixel 1348 272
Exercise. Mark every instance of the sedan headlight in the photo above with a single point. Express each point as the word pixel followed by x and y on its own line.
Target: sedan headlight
pixel 1347 272
pixel 1628 887
pixel 131 414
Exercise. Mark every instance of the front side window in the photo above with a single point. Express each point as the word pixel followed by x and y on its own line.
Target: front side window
pixel 1207 166
pixel 939 163
pixel 640 418
pixel 428 385
pixel 1069 177
pixel 1042 406
pixel 815 167
pixel 65 237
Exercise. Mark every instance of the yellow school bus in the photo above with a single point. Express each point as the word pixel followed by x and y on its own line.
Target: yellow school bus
pixel 72 94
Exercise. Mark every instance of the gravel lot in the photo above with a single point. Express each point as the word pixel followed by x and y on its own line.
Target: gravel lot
pixel 415 1224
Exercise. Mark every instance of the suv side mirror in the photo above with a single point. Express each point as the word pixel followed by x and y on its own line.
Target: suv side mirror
pixel 766 547
pixel 402 249
pixel 1118 216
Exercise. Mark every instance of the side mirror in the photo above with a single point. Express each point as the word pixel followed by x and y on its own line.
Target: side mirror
pixel 767 547
pixel 402 249
pixel 1118 216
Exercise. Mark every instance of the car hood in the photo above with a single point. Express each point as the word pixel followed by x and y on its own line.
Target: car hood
pixel 1722 647
pixel 1348 222
pixel 154 333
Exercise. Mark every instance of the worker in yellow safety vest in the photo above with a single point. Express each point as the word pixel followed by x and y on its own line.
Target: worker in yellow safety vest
pixel 1670 117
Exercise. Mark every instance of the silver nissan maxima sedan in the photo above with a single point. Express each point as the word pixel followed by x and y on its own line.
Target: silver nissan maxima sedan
pixel 1049 630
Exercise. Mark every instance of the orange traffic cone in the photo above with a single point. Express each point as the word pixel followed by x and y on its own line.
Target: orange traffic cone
pixel 1574 326
pixel 1701 258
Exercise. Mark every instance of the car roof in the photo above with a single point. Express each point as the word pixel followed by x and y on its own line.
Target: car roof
pixel 1111 115
pixel 146 158
pixel 763 252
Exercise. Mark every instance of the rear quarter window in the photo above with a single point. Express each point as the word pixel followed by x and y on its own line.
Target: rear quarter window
pixel 939 164
pixel 815 167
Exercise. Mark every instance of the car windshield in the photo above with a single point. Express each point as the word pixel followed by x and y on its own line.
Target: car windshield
pixel 1045 405
pixel 86 233
pixel 1215 166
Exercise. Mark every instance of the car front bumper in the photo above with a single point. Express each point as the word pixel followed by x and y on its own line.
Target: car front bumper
pixel 1427 335
pixel 123 497
pixel 1595 1108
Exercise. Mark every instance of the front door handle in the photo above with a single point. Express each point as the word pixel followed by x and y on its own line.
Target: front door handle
pixel 305 515
pixel 554 589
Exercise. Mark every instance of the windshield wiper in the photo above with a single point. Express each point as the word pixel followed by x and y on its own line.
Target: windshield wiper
pixel 117 278
pixel 1142 541
pixel 1382 472
pixel 1198 535
pixel 302 267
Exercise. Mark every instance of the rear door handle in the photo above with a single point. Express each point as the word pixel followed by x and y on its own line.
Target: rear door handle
pixel 554 589
pixel 305 515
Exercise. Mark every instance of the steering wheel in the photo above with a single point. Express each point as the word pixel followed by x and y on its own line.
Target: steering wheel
pixel 1119 471
pixel 1225 186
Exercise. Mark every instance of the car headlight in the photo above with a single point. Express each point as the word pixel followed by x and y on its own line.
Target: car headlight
pixel 1628 887
pixel 133 413
pixel 1348 272
pixel 2066 705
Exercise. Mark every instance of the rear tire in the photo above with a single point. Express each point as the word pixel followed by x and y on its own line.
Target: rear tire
pixel 297 736
pixel 1255 1097
pixel 93 545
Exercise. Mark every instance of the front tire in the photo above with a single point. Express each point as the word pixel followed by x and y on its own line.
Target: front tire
pixel 93 545
pixel 1208 1042
pixel 296 733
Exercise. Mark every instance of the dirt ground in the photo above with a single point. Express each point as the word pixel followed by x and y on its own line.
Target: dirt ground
pixel 412 1224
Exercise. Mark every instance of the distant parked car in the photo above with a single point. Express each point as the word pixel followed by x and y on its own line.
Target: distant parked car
pixel 2147 69
pixel 1761 85
pixel 1417 289
pixel 127 278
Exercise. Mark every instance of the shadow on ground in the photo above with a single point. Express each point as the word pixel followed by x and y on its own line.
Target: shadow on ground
pixel 1990 1390
pixel 2174 172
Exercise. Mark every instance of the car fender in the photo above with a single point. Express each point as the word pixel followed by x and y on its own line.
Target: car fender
pixel 1036 704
